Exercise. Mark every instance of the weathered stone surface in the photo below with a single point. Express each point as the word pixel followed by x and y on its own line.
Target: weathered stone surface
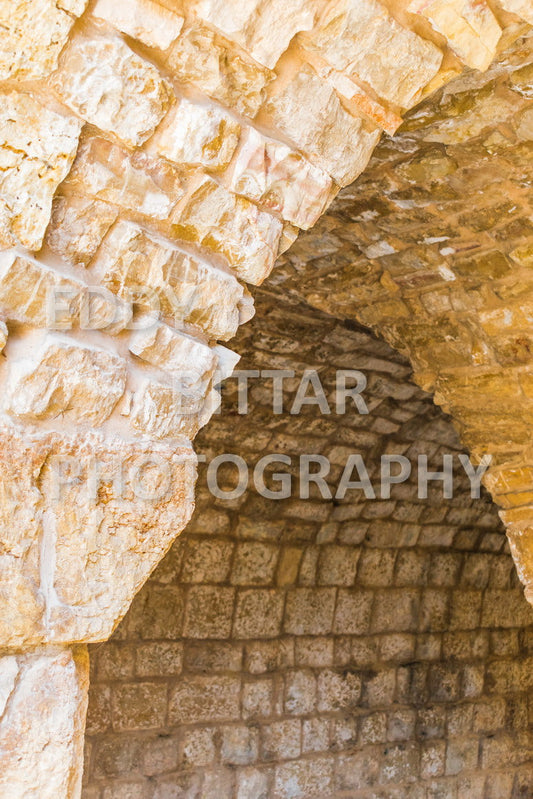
pixel 232 226
pixel 111 87
pixel 520 7
pixel 338 142
pixel 43 702
pixel 34 293
pixel 107 172
pixel 145 20
pixel 78 226
pixel 190 362
pixel 63 378
pixel 280 179
pixel 360 39
pixel 98 512
pixel 76 7
pixel 470 27
pixel 37 148
pixel 263 28
pixel 33 34
pixel 183 288
pixel 163 411
pixel 205 59
pixel 194 134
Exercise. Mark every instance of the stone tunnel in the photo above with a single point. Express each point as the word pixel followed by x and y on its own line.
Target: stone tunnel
pixel 313 632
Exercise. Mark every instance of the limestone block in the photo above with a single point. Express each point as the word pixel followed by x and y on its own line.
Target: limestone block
pixel 4 333
pixel 43 703
pixel 33 34
pixel 264 28
pixel 279 178
pixel 161 411
pixel 183 288
pixel 84 518
pixel 470 27
pixel 111 87
pixel 107 172
pixel 336 141
pixel 522 8
pixel 76 7
pixel 191 363
pixel 202 135
pixel 33 293
pixel 205 59
pixel 37 148
pixel 78 226
pixel 145 20
pixel 63 378
pixel 361 39
pixel 223 223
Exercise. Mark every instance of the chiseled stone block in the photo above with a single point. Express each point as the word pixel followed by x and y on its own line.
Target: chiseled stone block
pixel 43 702
pixel 107 172
pixel 66 379
pixel 198 135
pixel 338 142
pixel 150 22
pixel 33 34
pixel 78 226
pixel 206 60
pixel 111 87
pixel 205 699
pixel 362 40
pixel 37 148
pixel 521 8
pixel 183 288
pixel 264 28
pixel 470 27
pixel 280 179
pixel 232 226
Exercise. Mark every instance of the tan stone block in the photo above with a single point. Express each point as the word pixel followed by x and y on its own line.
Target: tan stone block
pixel 470 27
pixel 43 704
pixel 33 34
pixel 232 226
pixel 280 179
pixel 206 60
pixel 258 614
pixel 334 139
pixel 163 411
pixel 33 292
pixel 137 181
pixel 209 612
pixel 197 135
pixel 151 23
pixel 183 288
pixel 188 360
pixel 521 8
pixel 205 699
pixel 362 40
pixel 37 148
pixel 308 777
pixel 65 379
pixel 111 87
pixel 76 7
pixel 263 29
pixel 78 226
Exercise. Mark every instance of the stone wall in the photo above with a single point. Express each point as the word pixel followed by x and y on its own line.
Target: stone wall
pixel 291 649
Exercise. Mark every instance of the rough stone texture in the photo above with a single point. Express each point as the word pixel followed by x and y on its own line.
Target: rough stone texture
pixel 78 226
pixel 280 179
pixel 338 142
pixel 33 34
pixel 223 223
pixel 264 28
pixel 287 648
pixel 43 701
pixel 108 85
pixel 200 135
pixel 361 40
pixel 145 20
pixel 37 147
pixel 72 574
pixel 208 61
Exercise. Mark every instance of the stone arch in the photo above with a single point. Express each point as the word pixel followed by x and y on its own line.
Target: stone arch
pixel 321 648
pixel 93 193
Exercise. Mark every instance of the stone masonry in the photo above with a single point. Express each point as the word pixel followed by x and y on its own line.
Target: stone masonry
pixel 315 649
pixel 156 156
